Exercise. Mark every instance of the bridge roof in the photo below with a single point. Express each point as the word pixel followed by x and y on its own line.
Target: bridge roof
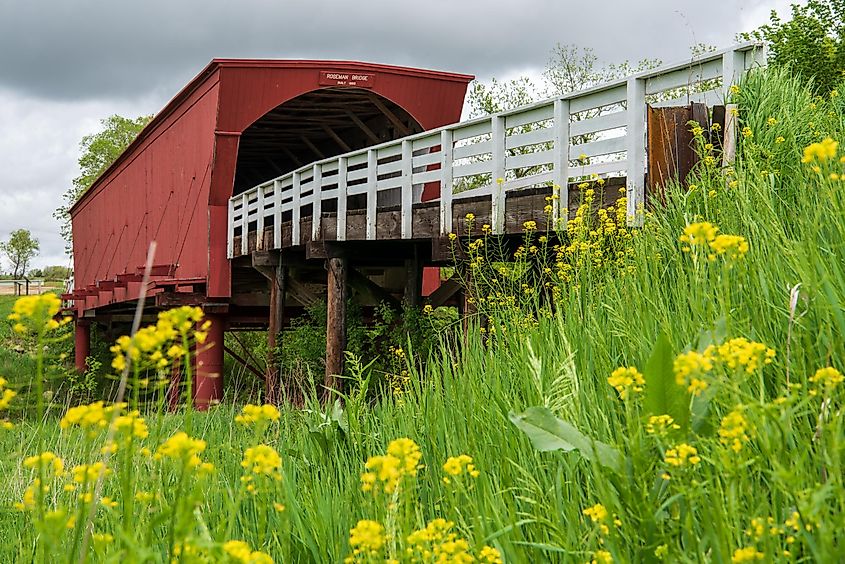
pixel 211 72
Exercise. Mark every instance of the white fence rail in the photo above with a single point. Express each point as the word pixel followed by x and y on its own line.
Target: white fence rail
pixel 598 131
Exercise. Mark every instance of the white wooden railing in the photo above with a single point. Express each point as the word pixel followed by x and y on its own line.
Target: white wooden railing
pixel 597 131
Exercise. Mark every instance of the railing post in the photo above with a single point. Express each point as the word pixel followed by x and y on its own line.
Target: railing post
pixel 230 251
pixel 297 215
pixel 317 201
pixel 259 230
pixel 498 174
pixel 560 177
pixel 277 214
pixel 372 193
pixel 341 199
pixel 445 182
pixel 245 223
pixel 406 213
pixel 733 65
pixel 636 149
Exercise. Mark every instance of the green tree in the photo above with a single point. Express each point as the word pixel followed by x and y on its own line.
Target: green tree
pixel 97 152
pixel 812 43
pixel 55 272
pixel 20 249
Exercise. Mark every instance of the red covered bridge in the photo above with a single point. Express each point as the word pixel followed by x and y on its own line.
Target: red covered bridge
pixel 237 123
pixel 271 185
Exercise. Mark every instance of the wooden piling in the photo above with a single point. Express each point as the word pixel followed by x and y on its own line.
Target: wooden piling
pixel 336 293
pixel 278 287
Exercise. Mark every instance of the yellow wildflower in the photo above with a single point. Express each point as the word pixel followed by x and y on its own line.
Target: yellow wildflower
pixel 821 152
pixel 661 425
pixel 748 554
pixel 402 459
pixel 89 473
pixel 47 461
pixel 733 431
pixel 733 246
pixel 742 352
pixel 182 448
pixel 36 314
pixel 598 514
pixel 457 465
pixel 625 380
pixel 240 551
pixel 258 414
pixel 690 369
pixel 263 460
pixel 489 555
pixel 701 233
pixel 366 539
pixel 827 377
pixel 682 455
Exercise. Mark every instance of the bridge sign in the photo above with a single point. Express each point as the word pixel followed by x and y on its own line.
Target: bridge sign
pixel 346 78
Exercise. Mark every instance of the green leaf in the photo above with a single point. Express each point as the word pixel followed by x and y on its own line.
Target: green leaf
pixel 662 394
pixel 548 433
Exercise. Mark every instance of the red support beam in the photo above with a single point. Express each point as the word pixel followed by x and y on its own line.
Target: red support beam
pixel 208 381
pixel 82 344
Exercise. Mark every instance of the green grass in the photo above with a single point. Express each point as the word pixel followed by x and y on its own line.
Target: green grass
pixel 529 504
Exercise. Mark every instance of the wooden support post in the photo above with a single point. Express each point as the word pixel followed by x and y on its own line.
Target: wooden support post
pixel 336 292
pixel 278 286
pixel 413 284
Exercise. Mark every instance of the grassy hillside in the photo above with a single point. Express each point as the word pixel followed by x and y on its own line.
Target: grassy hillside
pixel 726 336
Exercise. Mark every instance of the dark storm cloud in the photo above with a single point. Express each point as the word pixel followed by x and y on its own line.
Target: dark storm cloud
pixel 84 48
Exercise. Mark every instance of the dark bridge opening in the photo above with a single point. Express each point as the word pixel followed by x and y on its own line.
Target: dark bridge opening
pixel 317 125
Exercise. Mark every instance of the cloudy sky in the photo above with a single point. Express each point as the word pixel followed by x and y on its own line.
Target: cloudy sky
pixel 65 64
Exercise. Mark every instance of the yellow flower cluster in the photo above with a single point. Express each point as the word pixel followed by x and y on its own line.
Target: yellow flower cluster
pixel 239 551
pixel 682 455
pixel 820 152
pixel 132 425
pixel 367 540
pixel 740 352
pixel 36 314
pixel 262 460
pixel 89 473
pixel 598 514
pixel 47 462
pixel 457 465
pixel 595 238
pixel 91 418
pixel 704 235
pixel 698 234
pixel 437 543
pixel 258 415
pixel 747 554
pixel 157 346
pixel 827 378
pixel 733 431
pixel 602 557
pixel 661 425
pixel 28 500
pixel 182 448
pixel 626 380
pixel 402 459
pixel 732 246
pixel 690 369
pixel 6 397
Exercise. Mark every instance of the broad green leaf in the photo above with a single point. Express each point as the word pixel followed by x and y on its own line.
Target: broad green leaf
pixel 662 394
pixel 548 433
